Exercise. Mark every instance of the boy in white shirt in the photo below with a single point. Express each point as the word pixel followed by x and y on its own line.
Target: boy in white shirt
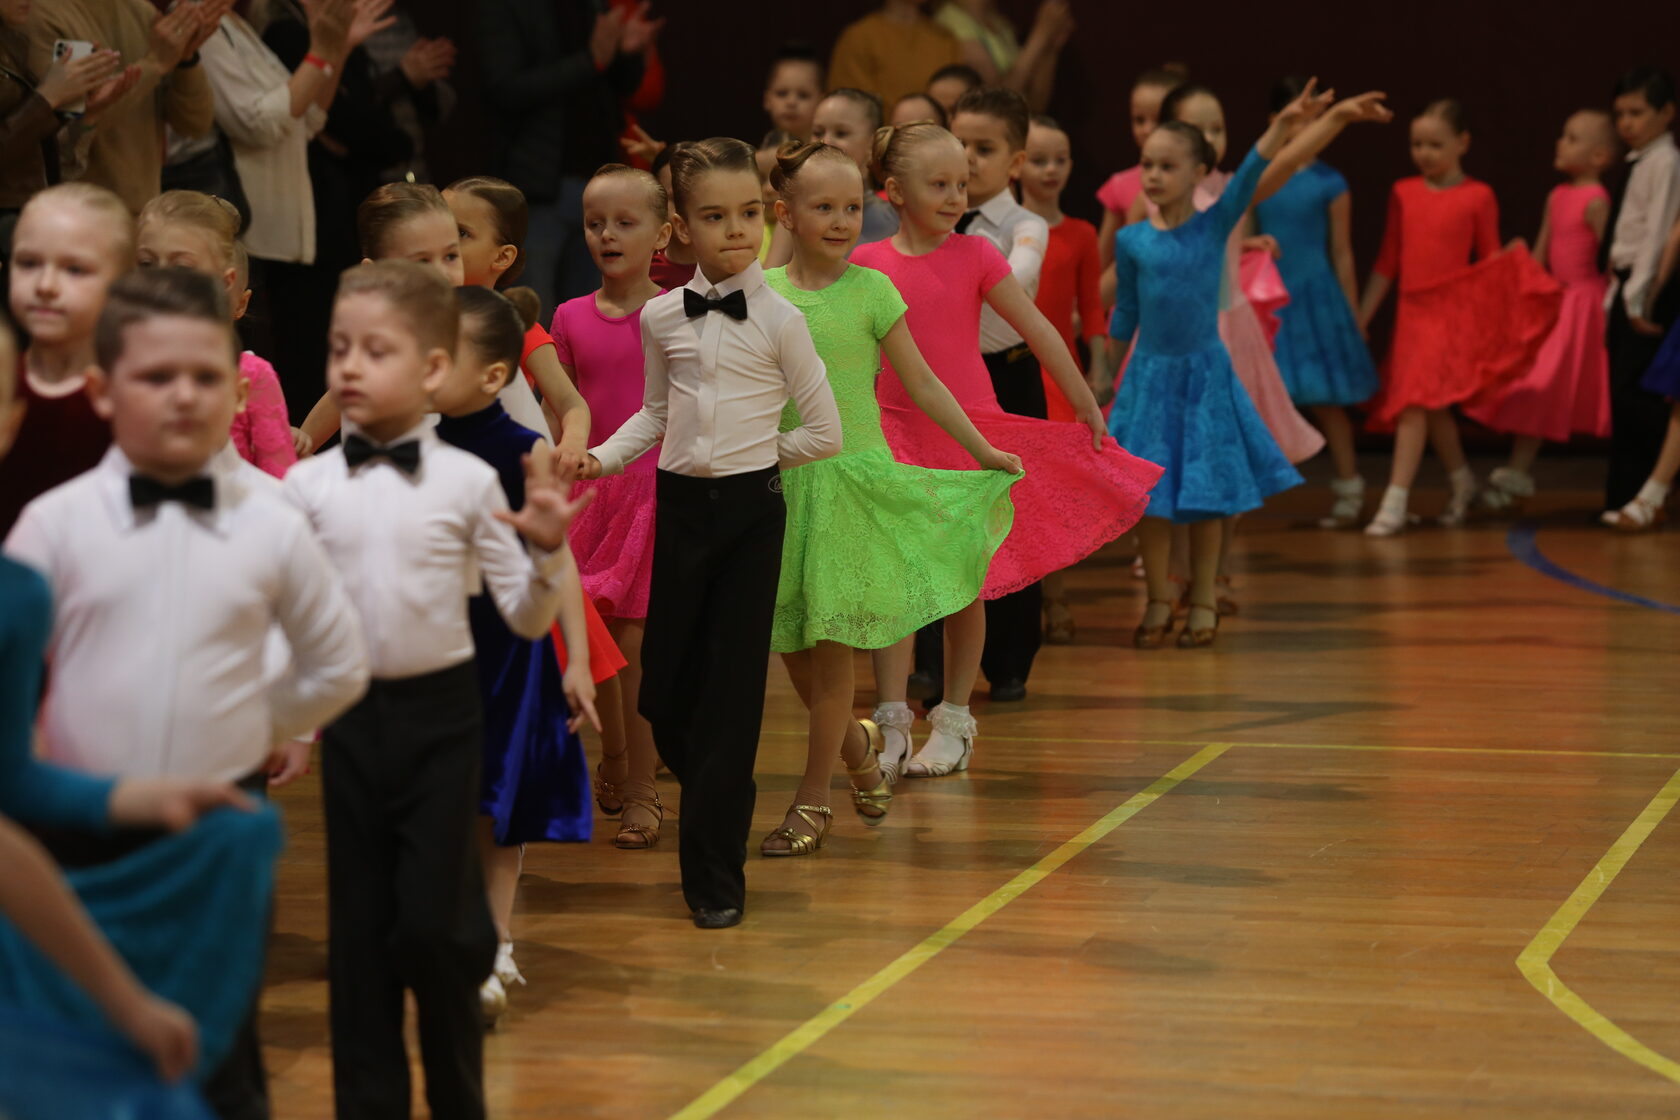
pixel 168 571
pixel 411 522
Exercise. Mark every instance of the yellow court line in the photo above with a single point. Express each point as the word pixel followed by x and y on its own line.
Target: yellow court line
pixel 1526 752
pixel 795 1042
pixel 1535 961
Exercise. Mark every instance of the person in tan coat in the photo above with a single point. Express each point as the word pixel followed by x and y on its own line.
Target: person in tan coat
pixel 125 151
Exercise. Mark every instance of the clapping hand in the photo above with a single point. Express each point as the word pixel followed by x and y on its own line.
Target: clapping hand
pixel 210 13
pixel 547 512
pixel 638 31
pixel 639 145
pixel 172 33
pixel 367 18
pixel 68 80
pixel 428 61
pixel 107 95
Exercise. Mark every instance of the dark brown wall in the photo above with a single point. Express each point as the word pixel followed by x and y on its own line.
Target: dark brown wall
pixel 1520 68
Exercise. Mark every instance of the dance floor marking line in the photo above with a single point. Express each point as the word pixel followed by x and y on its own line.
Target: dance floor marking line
pixel 801 1038
pixel 1522 752
pixel 1523 543
pixel 1534 962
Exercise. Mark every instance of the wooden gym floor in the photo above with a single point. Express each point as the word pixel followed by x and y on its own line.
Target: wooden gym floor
pixel 1399 846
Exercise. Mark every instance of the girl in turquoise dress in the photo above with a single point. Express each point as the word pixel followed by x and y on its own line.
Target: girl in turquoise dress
pixel 875 549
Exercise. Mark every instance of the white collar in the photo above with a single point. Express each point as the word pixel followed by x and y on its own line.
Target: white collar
pixel 1663 140
pixel 748 281
pixel 998 207
pixel 114 470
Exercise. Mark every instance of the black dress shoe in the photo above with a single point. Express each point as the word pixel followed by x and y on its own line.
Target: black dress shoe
pixel 717 919
pixel 1009 691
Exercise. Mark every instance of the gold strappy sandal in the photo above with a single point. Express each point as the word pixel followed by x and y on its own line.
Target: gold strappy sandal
pixel 871 804
pixel 608 796
pixel 799 844
pixel 640 837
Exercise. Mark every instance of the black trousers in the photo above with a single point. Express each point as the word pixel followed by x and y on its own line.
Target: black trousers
pixel 1014 623
pixel 1638 419
pixel 237 1089
pixel 717 556
pixel 400 778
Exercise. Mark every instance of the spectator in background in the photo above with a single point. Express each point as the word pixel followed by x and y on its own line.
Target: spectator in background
pixel 125 154
pixel 30 126
pixel 269 114
pixel 990 46
pixel 558 73
pixel 348 159
pixel 412 75
pixel 891 51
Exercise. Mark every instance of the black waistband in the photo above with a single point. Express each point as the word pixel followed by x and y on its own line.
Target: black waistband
pixel 461 673
pixel 748 480
pixel 1018 352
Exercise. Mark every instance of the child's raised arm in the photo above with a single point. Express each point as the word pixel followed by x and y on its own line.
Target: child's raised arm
pixel 1316 136
pixel 932 397
pixel 1010 300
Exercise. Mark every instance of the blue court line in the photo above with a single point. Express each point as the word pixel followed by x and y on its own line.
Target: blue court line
pixel 1523 545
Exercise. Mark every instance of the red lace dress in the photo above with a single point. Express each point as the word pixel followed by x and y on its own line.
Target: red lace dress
pixel 1459 327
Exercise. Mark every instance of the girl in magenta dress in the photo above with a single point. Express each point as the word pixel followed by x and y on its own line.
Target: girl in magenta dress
pixel 1567 389
pixel 1122 188
pixel 1460 327
pixel 1081 489
pixel 599 341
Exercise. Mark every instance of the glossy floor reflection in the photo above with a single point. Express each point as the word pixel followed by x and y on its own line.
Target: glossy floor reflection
pixel 1429 747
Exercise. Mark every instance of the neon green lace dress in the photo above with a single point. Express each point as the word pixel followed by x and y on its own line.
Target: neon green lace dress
pixel 875 549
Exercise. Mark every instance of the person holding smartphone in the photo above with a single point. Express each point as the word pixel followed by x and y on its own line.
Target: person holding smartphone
pixel 35 108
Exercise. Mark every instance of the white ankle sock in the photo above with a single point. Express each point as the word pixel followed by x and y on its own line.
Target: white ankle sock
pixel 1396 497
pixel 1347 487
pixel 1463 479
pixel 955 709
pixel 894 705
pixel 1654 493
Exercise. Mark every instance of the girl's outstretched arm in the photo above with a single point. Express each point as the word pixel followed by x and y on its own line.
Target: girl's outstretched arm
pixel 932 397
pixel 1288 158
pixel 1010 300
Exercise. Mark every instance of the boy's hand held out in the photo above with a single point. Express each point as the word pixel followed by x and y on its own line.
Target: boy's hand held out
pixel 547 512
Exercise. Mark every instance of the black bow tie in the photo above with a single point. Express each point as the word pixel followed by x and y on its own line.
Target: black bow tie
pixel 967 220
pixel 145 492
pixel 404 456
pixel 733 305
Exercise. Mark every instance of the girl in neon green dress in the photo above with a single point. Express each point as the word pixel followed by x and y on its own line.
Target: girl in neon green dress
pixel 875 549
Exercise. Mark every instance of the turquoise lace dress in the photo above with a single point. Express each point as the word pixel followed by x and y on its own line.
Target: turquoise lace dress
pixel 1179 403
pixel 875 549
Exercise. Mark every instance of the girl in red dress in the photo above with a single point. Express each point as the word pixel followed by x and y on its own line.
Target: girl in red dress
pixel 1459 327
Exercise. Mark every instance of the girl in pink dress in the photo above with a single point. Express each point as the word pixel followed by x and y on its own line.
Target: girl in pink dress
pixel 197 231
pixel 1567 389
pixel 599 341
pixel 1081 489
pixel 1460 328
pixel 1122 188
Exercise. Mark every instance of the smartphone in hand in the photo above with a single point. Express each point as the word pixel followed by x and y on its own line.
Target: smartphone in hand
pixel 69 50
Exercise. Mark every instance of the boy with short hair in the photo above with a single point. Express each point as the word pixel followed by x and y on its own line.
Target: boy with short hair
pixel 992 124
pixel 411 522
pixel 1646 208
pixel 168 571
pixel 792 89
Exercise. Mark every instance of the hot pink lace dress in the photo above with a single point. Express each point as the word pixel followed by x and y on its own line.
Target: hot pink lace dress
pixel 262 434
pixel 613 538
pixel 1074 498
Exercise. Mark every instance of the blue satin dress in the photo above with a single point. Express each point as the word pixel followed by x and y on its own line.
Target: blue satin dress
pixel 535 783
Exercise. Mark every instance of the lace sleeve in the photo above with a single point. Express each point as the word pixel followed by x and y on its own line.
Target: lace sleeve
pixel 270 432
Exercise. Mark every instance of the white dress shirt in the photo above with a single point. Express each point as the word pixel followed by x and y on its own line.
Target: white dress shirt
pixel 1023 237
pixel 161 619
pixel 1649 208
pixel 411 549
pixel 715 387
pixel 270 146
